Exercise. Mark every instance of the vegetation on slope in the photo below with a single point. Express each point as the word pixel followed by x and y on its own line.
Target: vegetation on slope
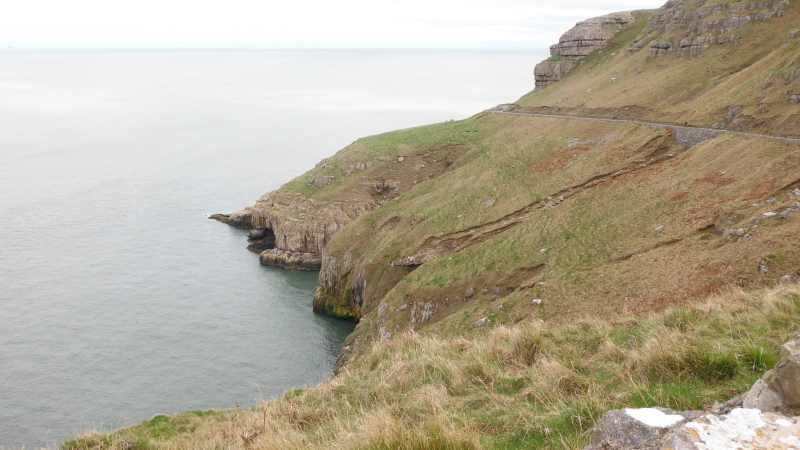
pixel 532 273
pixel 752 74
pixel 531 385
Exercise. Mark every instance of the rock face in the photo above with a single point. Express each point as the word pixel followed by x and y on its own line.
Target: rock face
pixel 626 428
pixel 779 389
pixel 548 72
pixel 302 226
pixel 340 291
pixel 683 29
pixel 589 35
pixel 765 420
pixel 290 260
pixel 579 42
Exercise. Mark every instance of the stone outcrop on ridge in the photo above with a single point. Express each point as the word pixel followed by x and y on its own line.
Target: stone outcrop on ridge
pixel 678 28
pixel 579 42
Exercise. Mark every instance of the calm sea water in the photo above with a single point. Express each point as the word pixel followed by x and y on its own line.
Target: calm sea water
pixel 118 298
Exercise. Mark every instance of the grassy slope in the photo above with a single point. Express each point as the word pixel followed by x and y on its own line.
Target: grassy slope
pixel 604 262
pixel 699 90
pixel 532 385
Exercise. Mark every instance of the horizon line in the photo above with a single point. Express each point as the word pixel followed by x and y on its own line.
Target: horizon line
pixel 264 48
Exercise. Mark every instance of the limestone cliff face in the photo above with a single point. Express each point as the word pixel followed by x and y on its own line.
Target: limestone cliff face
pixel 548 72
pixel 579 42
pixel 302 226
pixel 341 287
pixel 683 28
pixel 589 35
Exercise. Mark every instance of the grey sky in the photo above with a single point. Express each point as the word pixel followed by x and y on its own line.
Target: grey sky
pixel 309 23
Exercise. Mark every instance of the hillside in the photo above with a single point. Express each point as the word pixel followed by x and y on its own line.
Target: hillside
pixel 488 260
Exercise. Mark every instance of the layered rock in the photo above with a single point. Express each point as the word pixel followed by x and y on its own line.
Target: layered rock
pixel 302 226
pixel 549 72
pixel 682 28
pixel 579 42
pixel 341 288
pixel 589 35
pixel 290 260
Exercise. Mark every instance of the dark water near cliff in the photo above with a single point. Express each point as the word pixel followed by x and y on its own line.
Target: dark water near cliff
pixel 118 298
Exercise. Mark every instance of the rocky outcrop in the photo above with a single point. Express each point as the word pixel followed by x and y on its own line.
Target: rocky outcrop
pixel 301 226
pixel 341 288
pixel 579 42
pixel 779 389
pixel 682 28
pixel 763 418
pixel 548 72
pixel 290 260
pixel 589 35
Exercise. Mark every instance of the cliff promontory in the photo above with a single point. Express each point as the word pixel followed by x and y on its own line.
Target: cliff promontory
pixel 305 214
pixel 577 43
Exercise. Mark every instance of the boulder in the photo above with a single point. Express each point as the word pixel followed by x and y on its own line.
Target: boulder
pixel 789 213
pixel 626 428
pixel 422 312
pixel 318 182
pixel 779 389
pixel 742 429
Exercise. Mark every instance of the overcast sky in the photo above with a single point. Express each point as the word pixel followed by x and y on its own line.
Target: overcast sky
pixel 298 23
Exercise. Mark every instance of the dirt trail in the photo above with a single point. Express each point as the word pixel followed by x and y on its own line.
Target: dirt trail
pixel 690 135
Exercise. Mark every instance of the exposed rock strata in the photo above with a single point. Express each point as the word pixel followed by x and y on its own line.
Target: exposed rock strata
pixel 549 72
pixel 678 28
pixel 290 260
pixel 341 287
pixel 590 35
pixel 302 226
pixel 579 42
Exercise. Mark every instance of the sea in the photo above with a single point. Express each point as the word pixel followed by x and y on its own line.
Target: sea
pixel 119 298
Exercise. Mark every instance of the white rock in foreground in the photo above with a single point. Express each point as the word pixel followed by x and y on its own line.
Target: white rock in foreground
pixel 654 418
pixel 741 429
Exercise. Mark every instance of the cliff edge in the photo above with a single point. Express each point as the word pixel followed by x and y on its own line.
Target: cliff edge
pixel 577 43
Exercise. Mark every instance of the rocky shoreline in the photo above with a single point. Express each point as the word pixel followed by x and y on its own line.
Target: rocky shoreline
pixel 291 231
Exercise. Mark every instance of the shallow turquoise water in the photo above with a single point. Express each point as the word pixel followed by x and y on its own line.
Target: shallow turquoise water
pixel 119 299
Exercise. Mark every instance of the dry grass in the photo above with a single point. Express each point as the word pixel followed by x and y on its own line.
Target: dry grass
pixel 531 385
pixel 677 89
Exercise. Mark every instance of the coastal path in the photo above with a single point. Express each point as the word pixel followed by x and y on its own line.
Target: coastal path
pixel 688 136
